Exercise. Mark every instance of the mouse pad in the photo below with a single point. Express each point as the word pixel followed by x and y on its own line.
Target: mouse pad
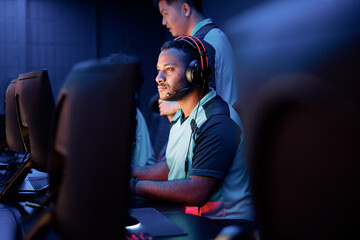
pixel 154 223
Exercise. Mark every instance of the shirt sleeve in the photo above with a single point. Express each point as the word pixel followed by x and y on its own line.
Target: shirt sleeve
pixel 143 153
pixel 225 66
pixel 215 147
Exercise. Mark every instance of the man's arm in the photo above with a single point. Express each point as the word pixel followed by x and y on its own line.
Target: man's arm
pixel 194 191
pixel 168 108
pixel 155 172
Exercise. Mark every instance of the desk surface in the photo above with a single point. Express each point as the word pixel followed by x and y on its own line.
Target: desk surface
pixel 197 228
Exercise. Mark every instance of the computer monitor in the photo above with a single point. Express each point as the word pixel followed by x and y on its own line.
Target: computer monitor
pixel 91 149
pixel 34 104
pixel 35 107
pixel 12 129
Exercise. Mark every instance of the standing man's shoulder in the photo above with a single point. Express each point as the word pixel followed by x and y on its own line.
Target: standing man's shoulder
pixel 225 67
pixel 211 33
pixel 217 38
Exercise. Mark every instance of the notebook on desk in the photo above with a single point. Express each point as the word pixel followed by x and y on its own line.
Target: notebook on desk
pixel 153 223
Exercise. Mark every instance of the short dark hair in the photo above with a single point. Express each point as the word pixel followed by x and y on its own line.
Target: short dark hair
pixel 190 53
pixel 192 3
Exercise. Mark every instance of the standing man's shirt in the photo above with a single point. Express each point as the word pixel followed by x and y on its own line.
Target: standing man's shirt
pixel 225 68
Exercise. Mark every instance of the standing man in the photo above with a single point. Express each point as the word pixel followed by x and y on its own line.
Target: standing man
pixel 186 17
pixel 205 165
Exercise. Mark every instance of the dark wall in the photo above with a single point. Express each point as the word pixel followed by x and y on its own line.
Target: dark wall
pixel 222 11
pixel 133 27
pixel 38 34
pixel 56 34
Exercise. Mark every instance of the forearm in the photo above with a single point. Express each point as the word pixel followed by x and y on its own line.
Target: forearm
pixel 156 172
pixel 184 191
pixel 168 109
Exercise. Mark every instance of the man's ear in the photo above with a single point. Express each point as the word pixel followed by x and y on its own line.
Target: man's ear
pixel 186 9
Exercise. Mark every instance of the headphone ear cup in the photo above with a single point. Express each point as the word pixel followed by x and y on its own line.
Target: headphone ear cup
pixel 193 73
pixel 206 74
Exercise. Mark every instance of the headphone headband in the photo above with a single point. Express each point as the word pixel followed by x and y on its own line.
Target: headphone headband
pixel 192 40
pixel 198 72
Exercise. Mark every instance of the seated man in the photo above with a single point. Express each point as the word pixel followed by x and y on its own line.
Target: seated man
pixel 143 153
pixel 205 164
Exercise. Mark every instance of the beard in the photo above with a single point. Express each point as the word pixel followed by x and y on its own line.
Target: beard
pixel 178 94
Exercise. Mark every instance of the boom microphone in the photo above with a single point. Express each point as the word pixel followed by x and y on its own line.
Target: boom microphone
pixel 178 91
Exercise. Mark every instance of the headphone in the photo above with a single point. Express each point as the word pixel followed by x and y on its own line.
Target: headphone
pixel 198 72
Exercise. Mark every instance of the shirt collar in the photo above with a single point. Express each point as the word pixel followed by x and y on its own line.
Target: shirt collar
pixel 208 96
pixel 204 100
pixel 200 25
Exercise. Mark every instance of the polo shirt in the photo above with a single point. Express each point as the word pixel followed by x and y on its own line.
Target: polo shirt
pixel 213 141
pixel 225 67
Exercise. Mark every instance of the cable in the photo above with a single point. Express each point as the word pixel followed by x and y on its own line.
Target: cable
pixel 7 170
pixel 11 160
pixel 17 155
pixel 192 131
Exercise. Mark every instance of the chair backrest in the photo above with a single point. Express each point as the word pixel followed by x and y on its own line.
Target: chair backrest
pixel 303 147
pixel 12 129
pixel 315 37
pixel 302 137
pixel 35 107
pixel 93 138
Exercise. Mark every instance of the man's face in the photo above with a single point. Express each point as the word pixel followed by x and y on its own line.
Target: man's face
pixel 171 74
pixel 174 18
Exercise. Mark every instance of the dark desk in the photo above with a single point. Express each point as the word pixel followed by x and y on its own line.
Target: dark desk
pixel 197 228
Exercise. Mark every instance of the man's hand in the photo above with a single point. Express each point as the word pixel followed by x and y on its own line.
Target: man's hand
pixel 168 108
